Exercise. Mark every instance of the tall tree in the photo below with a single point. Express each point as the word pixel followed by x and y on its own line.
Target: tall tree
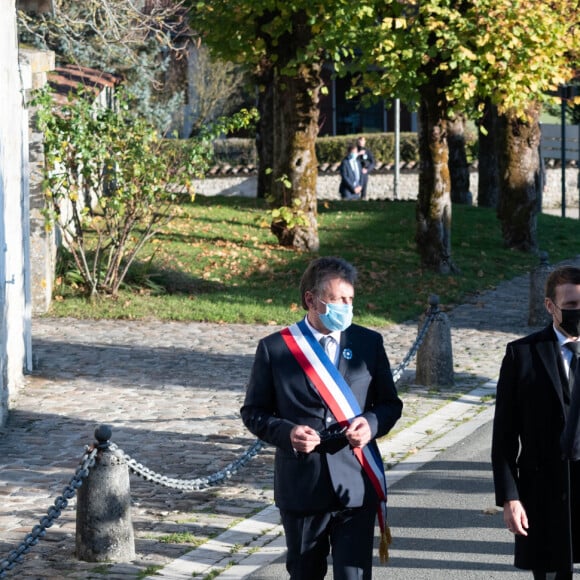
pixel 488 166
pixel 416 54
pixel 529 47
pixel 286 43
pixel 447 57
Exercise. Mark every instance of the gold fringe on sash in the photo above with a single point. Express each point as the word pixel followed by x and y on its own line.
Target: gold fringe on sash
pixel 386 540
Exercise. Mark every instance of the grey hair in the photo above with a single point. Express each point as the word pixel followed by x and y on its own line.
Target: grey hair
pixel 321 270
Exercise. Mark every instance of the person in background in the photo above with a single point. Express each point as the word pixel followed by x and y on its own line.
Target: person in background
pixel 536 436
pixel 350 175
pixel 321 391
pixel 367 162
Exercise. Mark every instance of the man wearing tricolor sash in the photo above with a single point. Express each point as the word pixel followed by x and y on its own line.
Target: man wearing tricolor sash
pixel 321 391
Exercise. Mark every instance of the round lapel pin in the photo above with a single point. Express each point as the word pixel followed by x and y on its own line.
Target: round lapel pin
pixel 347 354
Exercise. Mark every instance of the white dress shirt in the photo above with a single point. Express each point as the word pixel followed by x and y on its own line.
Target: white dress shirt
pixel 332 347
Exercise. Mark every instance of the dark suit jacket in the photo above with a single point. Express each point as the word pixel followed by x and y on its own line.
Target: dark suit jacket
pixel 366 159
pixel 348 179
pixel 530 415
pixel 280 396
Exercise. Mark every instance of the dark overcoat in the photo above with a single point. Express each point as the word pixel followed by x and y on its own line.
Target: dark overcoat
pixel 531 410
pixel 280 396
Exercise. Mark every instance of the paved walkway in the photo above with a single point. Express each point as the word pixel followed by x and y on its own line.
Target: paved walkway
pixel 172 392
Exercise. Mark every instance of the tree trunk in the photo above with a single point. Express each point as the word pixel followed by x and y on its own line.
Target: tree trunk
pixel 433 214
pixel 265 133
pixel 458 167
pixel 488 167
pixel 289 102
pixel 295 168
pixel 519 163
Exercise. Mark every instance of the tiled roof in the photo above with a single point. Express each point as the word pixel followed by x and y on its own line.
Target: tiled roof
pixel 67 78
pixel 225 169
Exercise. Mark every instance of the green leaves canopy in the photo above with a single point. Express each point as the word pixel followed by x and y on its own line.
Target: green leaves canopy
pixel 508 51
pixel 255 31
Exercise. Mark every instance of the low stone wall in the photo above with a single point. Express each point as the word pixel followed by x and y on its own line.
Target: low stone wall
pixel 381 186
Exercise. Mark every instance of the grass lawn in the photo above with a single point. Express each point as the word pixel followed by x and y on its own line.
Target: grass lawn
pixel 218 262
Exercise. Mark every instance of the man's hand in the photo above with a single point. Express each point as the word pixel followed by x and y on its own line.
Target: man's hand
pixel 358 432
pixel 304 439
pixel 515 518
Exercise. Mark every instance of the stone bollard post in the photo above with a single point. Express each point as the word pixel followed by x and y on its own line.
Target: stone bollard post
pixel 435 355
pixel 537 314
pixel 104 530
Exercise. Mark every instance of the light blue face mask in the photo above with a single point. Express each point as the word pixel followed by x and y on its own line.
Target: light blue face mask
pixel 338 317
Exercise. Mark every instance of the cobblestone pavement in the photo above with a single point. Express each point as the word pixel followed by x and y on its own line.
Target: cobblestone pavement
pixel 172 393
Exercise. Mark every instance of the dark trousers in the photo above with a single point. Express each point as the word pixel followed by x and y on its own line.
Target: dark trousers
pixel 552 575
pixel 364 181
pixel 348 534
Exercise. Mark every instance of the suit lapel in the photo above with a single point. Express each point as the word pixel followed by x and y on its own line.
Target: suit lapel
pixel 548 352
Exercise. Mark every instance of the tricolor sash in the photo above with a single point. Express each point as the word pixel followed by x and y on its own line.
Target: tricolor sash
pixel 338 396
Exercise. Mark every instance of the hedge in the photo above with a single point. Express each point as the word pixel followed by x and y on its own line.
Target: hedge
pixel 331 150
pixel 328 149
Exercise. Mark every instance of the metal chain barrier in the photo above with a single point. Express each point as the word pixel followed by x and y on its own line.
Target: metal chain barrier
pixel 88 461
pixel 53 513
pixel 429 318
pixel 191 484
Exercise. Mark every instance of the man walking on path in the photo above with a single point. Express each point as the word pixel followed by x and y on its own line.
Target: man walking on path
pixel 536 436
pixel 322 391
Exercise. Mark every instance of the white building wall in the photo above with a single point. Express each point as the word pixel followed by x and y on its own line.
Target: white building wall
pixel 14 322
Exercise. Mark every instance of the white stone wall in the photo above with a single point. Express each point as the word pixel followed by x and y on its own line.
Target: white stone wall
pixel 14 312
pixel 382 186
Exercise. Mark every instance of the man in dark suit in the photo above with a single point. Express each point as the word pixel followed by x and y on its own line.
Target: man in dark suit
pixel 327 500
pixel 350 175
pixel 536 439
pixel 367 163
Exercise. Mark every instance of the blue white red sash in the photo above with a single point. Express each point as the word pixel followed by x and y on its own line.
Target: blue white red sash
pixel 338 396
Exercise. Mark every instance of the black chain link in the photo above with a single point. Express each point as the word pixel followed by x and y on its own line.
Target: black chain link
pixel 432 313
pixel 53 513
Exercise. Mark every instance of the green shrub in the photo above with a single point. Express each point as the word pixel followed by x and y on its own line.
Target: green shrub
pixel 382 145
pixel 235 151
pixel 331 150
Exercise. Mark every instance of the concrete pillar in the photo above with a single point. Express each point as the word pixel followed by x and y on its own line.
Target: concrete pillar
pixel 435 355
pixel 42 239
pixel 537 313
pixel 104 531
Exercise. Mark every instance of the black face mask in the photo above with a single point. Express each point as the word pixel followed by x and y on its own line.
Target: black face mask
pixel 570 321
